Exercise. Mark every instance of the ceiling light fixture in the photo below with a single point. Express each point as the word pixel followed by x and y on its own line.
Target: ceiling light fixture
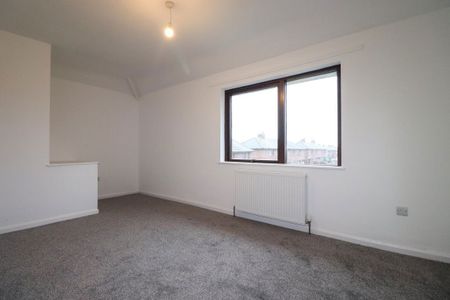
pixel 168 30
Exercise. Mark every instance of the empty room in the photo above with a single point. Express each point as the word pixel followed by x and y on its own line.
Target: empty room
pixel 238 149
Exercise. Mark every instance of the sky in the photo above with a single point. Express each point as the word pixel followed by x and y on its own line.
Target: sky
pixel 311 112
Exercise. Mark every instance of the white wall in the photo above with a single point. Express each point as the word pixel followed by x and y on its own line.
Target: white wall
pixel 89 123
pixel 396 145
pixel 30 192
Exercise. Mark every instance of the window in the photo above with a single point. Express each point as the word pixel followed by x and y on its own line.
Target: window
pixel 293 120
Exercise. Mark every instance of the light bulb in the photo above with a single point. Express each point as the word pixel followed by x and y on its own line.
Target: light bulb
pixel 169 32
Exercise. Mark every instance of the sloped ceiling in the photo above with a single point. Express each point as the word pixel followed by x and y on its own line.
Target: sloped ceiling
pixel 113 43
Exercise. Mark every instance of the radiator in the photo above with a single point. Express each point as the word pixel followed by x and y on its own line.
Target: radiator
pixel 273 197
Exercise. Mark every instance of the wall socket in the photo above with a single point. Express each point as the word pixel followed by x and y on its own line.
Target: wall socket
pixel 402 211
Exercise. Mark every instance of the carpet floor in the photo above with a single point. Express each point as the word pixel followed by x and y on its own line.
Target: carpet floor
pixel 140 247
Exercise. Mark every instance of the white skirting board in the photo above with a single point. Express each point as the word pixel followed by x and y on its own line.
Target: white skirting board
pixel 47 221
pixel 113 195
pixel 443 257
pixel 427 254
pixel 269 220
pixel 193 203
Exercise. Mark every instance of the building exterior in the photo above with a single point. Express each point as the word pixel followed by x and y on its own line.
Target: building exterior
pixel 301 153
pixel 240 151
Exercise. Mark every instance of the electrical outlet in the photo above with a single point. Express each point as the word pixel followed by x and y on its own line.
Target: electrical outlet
pixel 402 211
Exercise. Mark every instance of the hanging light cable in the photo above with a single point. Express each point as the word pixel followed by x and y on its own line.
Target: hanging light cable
pixel 168 30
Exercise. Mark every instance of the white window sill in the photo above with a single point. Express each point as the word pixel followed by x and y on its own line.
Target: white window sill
pixel 238 163
pixel 70 163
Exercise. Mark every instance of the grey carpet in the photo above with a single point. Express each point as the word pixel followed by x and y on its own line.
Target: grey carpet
pixel 140 247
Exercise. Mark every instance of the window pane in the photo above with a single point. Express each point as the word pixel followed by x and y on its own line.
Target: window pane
pixel 312 124
pixel 254 121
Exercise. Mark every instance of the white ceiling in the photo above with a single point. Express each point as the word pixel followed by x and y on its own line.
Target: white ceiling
pixel 108 41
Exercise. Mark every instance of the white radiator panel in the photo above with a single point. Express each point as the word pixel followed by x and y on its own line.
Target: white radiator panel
pixel 273 197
